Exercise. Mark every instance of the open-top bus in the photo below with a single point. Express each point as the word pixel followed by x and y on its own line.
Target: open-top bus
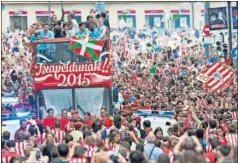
pixel 66 79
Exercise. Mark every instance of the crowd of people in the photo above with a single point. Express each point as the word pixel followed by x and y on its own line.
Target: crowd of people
pixel 153 70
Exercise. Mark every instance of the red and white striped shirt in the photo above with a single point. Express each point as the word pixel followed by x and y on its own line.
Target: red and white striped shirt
pixel 209 148
pixel 91 150
pixel 20 146
pixel 7 156
pixel 231 139
pixel 234 115
pixel 59 134
pixel 79 160
pixel 208 131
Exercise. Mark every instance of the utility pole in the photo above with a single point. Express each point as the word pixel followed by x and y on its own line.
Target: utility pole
pixel 192 6
pixel 237 51
pixel 229 28
pixel 207 46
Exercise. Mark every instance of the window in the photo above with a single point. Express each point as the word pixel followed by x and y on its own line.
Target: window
pixel 89 99
pixel 130 20
pixel 56 99
pixel 53 53
pixel 43 19
pixel 60 53
pixel 18 22
pixel 92 99
pixel 155 20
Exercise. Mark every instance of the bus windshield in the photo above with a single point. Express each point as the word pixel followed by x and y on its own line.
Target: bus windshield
pixel 58 52
pixel 83 99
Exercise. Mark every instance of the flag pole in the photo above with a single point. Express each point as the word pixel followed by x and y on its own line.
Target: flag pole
pixel 49 7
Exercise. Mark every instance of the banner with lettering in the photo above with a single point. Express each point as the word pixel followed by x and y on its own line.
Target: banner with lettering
pixel 217 18
pixel 235 17
pixel 72 74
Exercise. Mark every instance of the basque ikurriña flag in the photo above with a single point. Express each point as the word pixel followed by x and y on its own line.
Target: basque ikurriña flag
pixel 87 47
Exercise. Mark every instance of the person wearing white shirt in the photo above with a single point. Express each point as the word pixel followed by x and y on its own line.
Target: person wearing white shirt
pixel 74 22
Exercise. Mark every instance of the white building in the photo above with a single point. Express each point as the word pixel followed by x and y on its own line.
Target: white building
pixel 136 14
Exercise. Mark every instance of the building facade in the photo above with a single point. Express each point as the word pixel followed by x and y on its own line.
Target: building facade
pixel 135 14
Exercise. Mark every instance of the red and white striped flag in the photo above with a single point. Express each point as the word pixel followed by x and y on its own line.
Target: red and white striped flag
pixel 217 76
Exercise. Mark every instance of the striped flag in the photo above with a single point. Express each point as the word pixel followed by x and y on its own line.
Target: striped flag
pixel 216 77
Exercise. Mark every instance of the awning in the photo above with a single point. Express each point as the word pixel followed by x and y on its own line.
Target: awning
pixel 18 13
pixel 75 12
pixel 184 12
pixel 94 12
pixel 154 12
pixel 44 13
pixel 126 12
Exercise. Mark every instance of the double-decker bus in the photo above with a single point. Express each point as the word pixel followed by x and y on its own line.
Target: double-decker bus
pixel 66 79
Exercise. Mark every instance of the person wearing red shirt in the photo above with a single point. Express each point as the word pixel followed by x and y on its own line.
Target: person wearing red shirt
pixel 11 152
pixel 87 119
pixel 106 119
pixel 22 129
pixel 221 135
pixel 50 119
pixel 212 155
pixel 64 120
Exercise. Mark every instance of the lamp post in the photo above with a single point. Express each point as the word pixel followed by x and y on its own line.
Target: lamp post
pixel 49 7
pixel 229 27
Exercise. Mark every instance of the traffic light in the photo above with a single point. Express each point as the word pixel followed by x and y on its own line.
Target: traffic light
pixel 221 49
pixel 225 50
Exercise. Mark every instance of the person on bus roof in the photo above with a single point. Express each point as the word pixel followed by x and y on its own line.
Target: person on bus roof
pixel 74 22
pixel 45 33
pixel 82 30
pixel 93 33
pixel 50 119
